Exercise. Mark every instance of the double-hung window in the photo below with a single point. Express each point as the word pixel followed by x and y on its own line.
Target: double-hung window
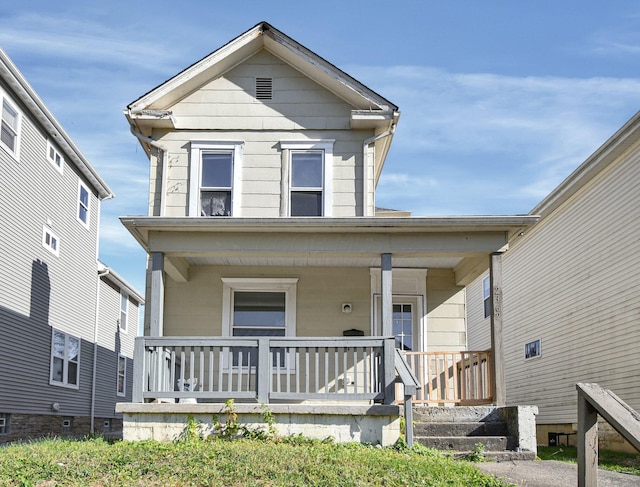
pixel 83 204
pixel 215 178
pixel 124 311
pixel 486 296
pixel 121 389
pixel 65 359
pixel 310 175
pixel 258 308
pixel 9 126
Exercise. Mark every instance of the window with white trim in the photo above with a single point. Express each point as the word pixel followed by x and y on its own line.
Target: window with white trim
pixel 486 296
pixel 83 204
pixel 310 176
pixel 261 307
pixel 5 423
pixel 122 376
pixel 124 311
pixel 65 359
pixel 9 126
pixel 532 349
pixel 50 241
pixel 54 157
pixel 215 178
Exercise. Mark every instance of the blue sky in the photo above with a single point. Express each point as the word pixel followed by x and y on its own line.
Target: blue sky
pixel 500 100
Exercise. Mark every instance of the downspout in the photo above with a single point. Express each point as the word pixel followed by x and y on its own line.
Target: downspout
pixel 365 165
pixel 163 162
pixel 97 322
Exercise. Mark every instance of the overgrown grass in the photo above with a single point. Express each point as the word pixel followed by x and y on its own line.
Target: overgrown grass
pixel 607 459
pixel 246 462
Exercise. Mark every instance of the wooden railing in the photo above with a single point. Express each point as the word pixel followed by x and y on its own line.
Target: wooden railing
pixel 452 377
pixel 264 369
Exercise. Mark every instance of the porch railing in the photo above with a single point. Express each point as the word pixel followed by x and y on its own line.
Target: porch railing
pixel 263 369
pixel 452 377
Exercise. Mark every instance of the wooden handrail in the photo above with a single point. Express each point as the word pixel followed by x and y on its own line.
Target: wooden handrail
pixel 594 400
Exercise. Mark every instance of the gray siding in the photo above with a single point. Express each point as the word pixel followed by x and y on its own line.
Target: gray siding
pixel 572 282
pixel 39 290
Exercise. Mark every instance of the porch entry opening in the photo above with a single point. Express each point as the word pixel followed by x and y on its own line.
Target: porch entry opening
pixel 257 314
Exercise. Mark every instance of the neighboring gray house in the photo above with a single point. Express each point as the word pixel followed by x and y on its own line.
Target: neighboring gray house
pixel 60 367
pixel 273 277
pixel 571 291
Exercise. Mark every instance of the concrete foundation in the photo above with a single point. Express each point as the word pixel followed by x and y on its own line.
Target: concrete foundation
pixel 374 424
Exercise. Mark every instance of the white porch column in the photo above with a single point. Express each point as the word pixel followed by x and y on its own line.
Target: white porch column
pixel 386 292
pixel 497 344
pixel 157 295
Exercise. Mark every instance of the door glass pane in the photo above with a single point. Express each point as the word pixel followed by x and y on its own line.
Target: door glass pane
pixel 216 170
pixel 403 326
pixel 306 169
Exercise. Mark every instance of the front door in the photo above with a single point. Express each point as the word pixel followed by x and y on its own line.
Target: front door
pixel 406 322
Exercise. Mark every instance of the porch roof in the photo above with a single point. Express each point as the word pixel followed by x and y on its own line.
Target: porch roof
pixel 461 243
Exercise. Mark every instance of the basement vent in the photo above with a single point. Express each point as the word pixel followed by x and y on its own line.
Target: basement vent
pixel 264 88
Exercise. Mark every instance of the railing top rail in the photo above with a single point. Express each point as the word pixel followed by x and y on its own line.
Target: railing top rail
pixel 407 377
pixel 275 341
pixel 441 352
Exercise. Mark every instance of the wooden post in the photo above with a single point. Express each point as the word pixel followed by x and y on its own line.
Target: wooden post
pixel 157 294
pixel 497 344
pixel 139 374
pixel 387 295
pixel 264 370
pixel 389 370
pixel 587 443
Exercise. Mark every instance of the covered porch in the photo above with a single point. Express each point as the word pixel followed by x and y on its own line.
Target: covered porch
pixel 357 299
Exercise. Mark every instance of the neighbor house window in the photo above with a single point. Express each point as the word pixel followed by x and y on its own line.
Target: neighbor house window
pixel 258 308
pixel 486 296
pixel 122 376
pixel 124 311
pixel 65 359
pixel 532 349
pixel 10 126
pixel 215 177
pixel 310 174
pixel 5 423
pixel 83 204
pixel 54 157
pixel 50 241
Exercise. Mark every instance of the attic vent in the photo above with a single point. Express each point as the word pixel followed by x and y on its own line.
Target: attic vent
pixel 264 88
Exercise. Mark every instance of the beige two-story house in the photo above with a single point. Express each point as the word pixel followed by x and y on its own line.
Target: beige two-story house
pixel 265 243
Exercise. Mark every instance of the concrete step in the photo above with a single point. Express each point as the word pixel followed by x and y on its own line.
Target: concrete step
pixel 468 443
pixel 494 428
pixel 465 414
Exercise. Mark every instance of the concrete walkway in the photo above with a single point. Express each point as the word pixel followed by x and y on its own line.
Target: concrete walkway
pixel 550 473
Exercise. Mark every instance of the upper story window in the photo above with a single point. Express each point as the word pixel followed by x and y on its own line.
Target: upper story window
pixel 486 296
pixel 215 178
pixel 10 126
pixel 532 349
pixel 50 241
pixel 83 204
pixel 124 311
pixel 310 169
pixel 54 157
pixel 65 359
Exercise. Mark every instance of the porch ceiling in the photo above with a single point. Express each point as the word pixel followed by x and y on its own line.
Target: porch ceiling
pixel 459 243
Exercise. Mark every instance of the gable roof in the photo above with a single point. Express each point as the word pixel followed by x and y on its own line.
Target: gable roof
pixel 369 106
pixel 30 99
pixel 606 154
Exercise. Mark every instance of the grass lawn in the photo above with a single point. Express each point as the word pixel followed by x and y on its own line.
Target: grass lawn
pixel 609 460
pixel 288 462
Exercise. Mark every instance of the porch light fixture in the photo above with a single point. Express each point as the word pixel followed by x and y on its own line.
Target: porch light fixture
pixel 346 308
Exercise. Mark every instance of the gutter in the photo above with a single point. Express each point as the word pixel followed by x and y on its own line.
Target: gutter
pixel 163 156
pixel 102 273
pixel 365 165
